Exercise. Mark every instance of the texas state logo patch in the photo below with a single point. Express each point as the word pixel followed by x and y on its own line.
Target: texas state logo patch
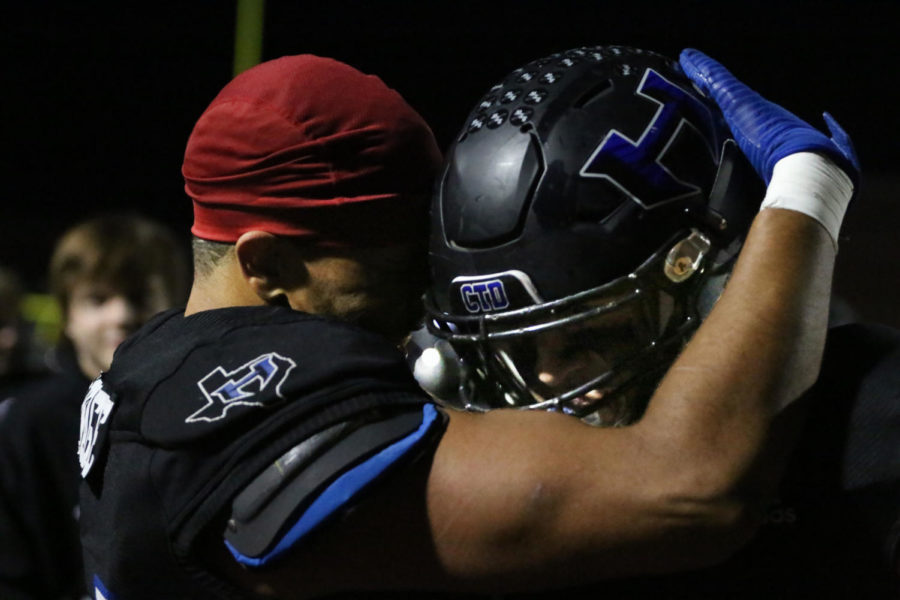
pixel 255 383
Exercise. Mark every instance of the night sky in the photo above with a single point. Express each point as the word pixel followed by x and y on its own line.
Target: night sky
pixel 100 97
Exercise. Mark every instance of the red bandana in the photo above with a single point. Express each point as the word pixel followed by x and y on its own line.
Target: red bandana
pixel 309 147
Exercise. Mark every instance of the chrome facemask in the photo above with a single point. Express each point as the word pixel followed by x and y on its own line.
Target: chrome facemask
pixel 597 354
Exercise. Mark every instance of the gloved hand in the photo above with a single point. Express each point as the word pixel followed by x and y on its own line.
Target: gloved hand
pixel 765 131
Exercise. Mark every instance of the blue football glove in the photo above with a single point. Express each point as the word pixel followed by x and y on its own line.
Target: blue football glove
pixel 764 131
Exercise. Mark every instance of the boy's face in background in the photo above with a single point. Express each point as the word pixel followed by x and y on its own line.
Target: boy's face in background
pixel 101 315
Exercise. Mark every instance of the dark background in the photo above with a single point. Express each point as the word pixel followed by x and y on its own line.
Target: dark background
pixel 99 98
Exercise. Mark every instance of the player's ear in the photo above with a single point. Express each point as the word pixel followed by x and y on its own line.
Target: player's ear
pixel 269 265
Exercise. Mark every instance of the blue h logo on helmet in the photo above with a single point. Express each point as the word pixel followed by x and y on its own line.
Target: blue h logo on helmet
pixel 637 167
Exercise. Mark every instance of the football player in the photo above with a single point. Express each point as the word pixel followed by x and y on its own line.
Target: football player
pixel 270 440
pixel 588 216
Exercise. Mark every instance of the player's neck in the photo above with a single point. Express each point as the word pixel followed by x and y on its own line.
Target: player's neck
pixel 220 289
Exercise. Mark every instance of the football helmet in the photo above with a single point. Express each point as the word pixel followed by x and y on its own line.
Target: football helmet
pixel 584 213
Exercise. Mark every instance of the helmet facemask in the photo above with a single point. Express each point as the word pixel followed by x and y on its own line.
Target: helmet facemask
pixel 596 355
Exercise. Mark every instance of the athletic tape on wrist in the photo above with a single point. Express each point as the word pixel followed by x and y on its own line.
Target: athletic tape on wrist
pixel 813 185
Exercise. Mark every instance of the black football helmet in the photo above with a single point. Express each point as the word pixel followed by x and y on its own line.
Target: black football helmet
pixel 584 211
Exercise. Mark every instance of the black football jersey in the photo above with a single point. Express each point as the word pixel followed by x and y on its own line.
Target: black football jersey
pixel 276 419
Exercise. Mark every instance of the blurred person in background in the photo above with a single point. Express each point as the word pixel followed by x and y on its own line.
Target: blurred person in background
pixel 109 275
pixel 16 363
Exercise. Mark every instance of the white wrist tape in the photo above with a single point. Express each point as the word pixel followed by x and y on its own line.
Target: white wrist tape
pixel 811 184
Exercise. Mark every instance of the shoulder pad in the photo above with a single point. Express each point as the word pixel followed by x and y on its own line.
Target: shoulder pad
pixel 317 478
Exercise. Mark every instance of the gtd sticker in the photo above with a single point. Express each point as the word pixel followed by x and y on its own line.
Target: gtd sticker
pixel 484 296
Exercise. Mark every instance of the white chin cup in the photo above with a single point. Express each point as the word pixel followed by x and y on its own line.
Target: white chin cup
pixel 813 185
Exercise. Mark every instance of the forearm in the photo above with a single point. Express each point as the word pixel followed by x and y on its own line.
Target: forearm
pixel 758 350
pixel 766 334
pixel 761 346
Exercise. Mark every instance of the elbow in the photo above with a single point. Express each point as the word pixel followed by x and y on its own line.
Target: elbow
pixel 708 528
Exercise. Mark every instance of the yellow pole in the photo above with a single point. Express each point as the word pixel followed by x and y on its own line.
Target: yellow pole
pixel 44 312
pixel 248 34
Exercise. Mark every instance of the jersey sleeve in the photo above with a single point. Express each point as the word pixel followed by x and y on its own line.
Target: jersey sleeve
pixel 320 477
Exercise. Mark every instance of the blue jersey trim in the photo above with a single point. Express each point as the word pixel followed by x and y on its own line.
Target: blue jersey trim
pixel 100 591
pixel 342 490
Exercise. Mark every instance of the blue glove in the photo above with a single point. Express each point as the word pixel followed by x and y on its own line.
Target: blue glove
pixel 763 130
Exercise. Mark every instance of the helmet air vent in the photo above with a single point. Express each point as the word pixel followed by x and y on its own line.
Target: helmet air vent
pixel 488 189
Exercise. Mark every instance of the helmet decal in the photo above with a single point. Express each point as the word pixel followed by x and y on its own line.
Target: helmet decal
pixel 484 296
pixel 494 292
pixel 638 168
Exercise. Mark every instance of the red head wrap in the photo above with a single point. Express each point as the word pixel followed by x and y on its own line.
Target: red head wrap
pixel 309 147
